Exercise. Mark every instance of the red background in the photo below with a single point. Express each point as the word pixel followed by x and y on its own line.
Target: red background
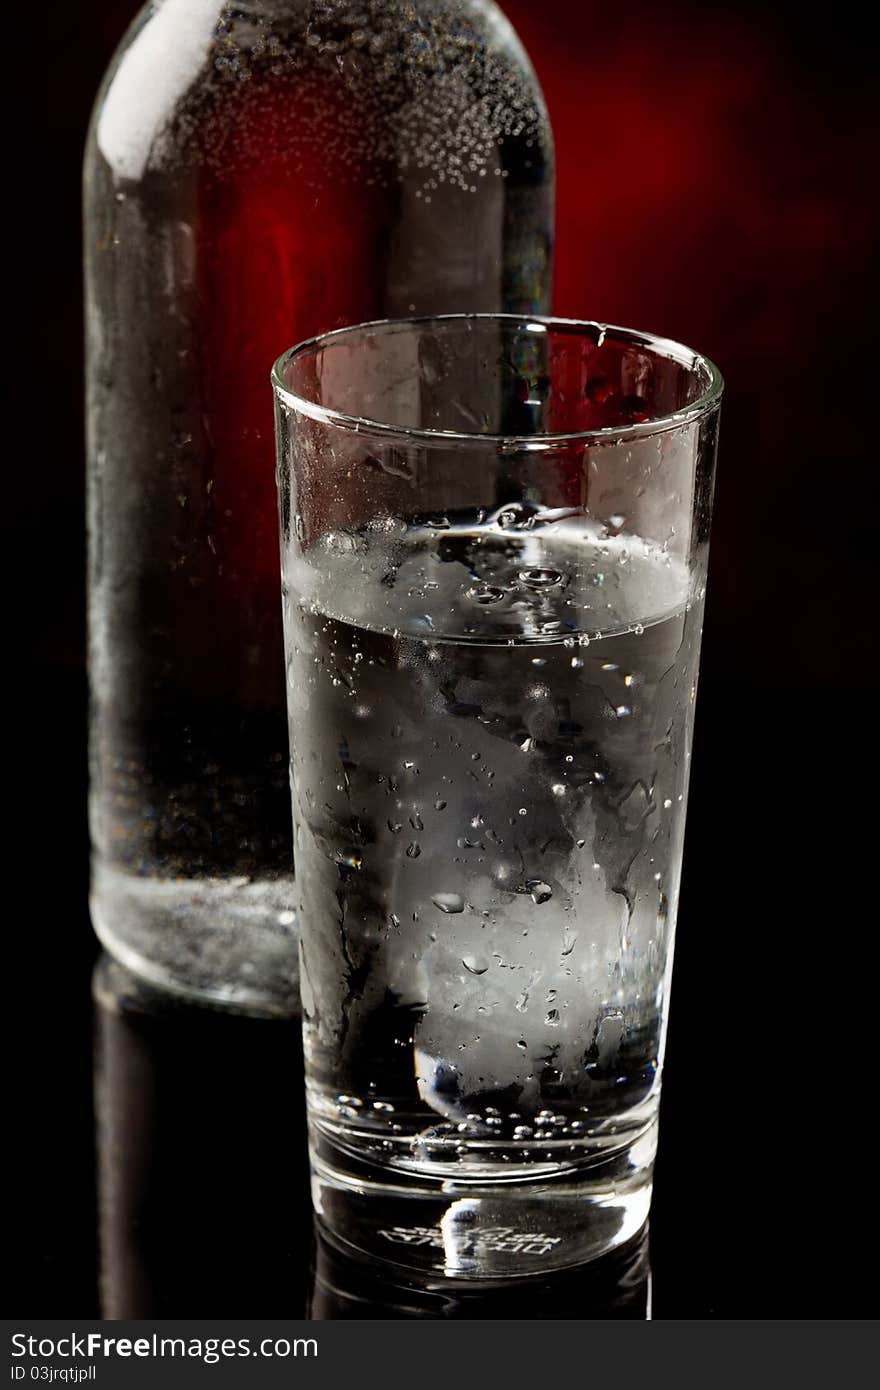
pixel 713 186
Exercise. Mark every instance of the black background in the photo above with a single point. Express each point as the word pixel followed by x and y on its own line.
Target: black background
pixel 714 185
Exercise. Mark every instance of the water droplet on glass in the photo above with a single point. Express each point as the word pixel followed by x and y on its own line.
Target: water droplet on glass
pixel 552 1019
pixel 485 594
pixel 540 578
pixel 538 890
pixel 413 851
pixel 351 858
pixel 448 902
pixel 477 965
pixel 439 805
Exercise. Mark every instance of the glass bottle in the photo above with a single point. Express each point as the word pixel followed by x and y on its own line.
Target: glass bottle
pixel 256 173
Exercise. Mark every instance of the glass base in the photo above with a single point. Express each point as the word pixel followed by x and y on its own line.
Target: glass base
pixel 483 1230
pixel 227 942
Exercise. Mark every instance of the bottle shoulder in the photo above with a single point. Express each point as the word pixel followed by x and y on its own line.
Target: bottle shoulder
pixel 441 83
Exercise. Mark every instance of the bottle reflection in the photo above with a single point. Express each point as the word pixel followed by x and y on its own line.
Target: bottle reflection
pixel 616 1286
pixel 202 1167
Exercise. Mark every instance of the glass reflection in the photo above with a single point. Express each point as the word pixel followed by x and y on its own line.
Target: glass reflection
pixel 203 1186
pixel 616 1286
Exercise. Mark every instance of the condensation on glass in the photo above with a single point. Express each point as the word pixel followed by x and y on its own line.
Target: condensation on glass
pixel 255 173
pixel 494 536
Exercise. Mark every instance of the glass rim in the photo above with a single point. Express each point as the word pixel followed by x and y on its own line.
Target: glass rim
pixel 686 357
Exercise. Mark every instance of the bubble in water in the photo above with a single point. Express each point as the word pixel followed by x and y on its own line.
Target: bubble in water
pixel 485 594
pixel 477 965
pixel 448 902
pixel 541 578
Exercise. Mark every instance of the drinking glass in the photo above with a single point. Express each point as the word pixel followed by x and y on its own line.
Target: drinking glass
pixel 494 535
